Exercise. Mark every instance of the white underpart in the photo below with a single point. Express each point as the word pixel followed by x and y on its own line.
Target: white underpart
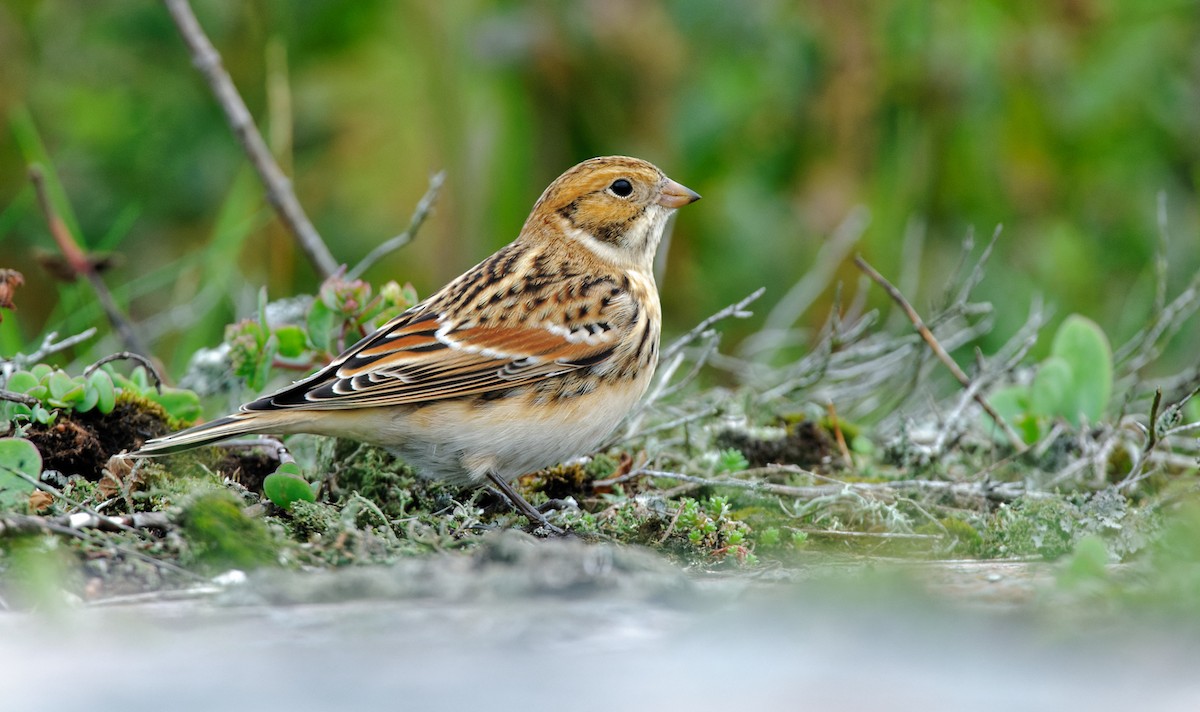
pixel 641 240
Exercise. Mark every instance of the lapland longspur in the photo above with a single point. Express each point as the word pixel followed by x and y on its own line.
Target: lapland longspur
pixel 531 357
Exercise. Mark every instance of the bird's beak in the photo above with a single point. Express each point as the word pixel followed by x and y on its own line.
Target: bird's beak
pixel 675 195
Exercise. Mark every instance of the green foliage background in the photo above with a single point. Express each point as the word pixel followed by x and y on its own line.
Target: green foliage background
pixel 1063 120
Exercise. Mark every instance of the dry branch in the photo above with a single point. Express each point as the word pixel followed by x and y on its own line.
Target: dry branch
pixel 129 355
pixel 938 351
pixel 81 265
pixel 992 491
pixel 277 185
pixel 18 397
pixel 424 207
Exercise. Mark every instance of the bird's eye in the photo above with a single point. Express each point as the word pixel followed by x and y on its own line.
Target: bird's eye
pixel 621 188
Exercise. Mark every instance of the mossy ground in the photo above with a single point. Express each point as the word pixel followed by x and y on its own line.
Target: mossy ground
pixel 371 508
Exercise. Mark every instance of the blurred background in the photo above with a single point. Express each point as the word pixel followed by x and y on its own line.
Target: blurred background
pixel 1064 120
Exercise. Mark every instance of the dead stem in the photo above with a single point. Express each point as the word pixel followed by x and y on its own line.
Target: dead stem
pixel 81 265
pixel 129 355
pixel 277 185
pixel 420 213
pixel 992 491
pixel 1014 439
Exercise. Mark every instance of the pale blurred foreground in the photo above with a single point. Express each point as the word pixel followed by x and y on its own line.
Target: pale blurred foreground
pixel 532 625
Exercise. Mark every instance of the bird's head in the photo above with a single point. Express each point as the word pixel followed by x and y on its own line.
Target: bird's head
pixel 615 206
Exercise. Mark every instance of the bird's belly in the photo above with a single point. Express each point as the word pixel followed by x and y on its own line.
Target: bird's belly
pixel 461 440
pixel 512 436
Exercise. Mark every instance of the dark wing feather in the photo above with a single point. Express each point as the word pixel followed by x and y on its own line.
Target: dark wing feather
pixel 424 354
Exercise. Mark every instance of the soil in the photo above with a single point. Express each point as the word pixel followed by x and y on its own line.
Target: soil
pixel 806 445
pixel 82 443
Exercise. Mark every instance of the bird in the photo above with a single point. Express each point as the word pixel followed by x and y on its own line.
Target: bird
pixel 530 358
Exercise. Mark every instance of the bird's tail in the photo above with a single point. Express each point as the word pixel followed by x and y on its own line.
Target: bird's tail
pixel 206 434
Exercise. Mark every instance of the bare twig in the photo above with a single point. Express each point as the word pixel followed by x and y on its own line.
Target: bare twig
pixel 938 351
pixel 673 357
pixel 1156 433
pixel 420 213
pixel 50 346
pixel 129 355
pixel 736 310
pixel 18 397
pixel 1144 346
pixel 29 524
pixel 82 265
pixel 993 491
pixel 845 534
pixel 837 432
pixel 277 185
pixel 271 445
pixel 1152 435
pixel 976 276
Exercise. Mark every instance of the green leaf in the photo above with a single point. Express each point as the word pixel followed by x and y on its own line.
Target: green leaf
pixel 292 341
pixel 263 364
pixel 321 320
pixel 1050 394
pixel 59 384
pixel 90 398
pixel 12 411
pixel 285 486
pixel 22 382
pixel 1012 404
pixel 1083 345
pixel 178 402
pixel 17 457
pixel 106 393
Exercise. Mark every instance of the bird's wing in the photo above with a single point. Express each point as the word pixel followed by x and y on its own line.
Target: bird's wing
pixel 427 354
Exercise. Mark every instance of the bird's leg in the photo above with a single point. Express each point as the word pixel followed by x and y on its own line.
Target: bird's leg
pixel 518 502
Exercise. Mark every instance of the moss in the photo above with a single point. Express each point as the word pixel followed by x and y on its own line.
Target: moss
pixel 1027 527
pixel 962 538
pixel 382 478
pixel 601 467
pixel 221 536
pixel 310 519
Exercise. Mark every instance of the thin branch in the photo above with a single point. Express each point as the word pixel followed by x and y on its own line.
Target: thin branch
pixel 270 445
pixel 72 524
pixel 18 397
pixel 420 213
pixel 50 346
pixel 277 185
pixel 993 491
pixel 838 533
pixel 1014 439
pixel 129 355
pixel 1152 435
pixel 81 265
pixel 736 310
pixel 1156 433
pixel 29 524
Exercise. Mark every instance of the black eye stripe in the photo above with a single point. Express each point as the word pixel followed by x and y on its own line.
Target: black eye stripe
pixel 621 188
